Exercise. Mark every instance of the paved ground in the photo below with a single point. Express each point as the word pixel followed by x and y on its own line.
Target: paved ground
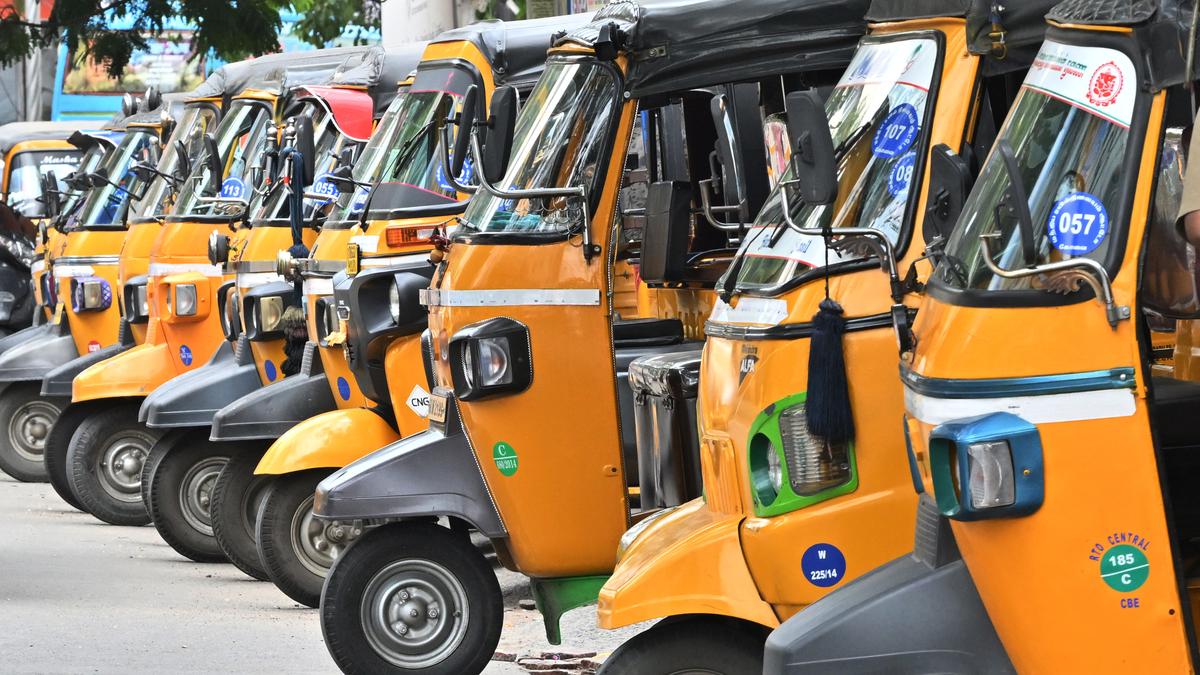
pixel 78 596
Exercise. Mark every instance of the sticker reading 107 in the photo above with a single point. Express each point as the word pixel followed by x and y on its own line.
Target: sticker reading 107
pixel 1078 224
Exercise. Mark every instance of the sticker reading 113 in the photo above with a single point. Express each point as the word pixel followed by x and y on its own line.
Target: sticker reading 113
pixel 1078 223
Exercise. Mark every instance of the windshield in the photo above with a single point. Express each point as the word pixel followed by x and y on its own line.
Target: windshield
pixel 106 205
pixel 328 146
pixel 197 120
pixel 1069 132
pixel 405 153
pixel 876 114
pixel 25 177
pixel 561 136
pixel 241 140
pixel 92 158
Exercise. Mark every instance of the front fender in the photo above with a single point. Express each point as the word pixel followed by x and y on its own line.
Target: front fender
pixel 272 410
pixel 37 332
pixel 689 561
pixel 328 441
pixel 59 381
pixel 918 614
pixel 429 474
pixel 31 360
pixel 134 372
pixel 193 398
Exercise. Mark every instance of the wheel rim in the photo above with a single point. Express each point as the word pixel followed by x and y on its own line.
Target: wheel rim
pixel 318 543
pixel 195 493
pixel 414 613
pixel 121 459
pixel 29 427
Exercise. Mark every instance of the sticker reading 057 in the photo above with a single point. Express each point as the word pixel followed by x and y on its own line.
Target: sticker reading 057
pixel 1078 223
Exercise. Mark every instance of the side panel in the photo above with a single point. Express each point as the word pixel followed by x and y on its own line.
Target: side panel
pixel 328 441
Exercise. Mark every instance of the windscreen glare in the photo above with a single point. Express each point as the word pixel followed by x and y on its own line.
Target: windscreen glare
pixel 106 204
pixel 241 141
pixel 196 121
pixel 25 177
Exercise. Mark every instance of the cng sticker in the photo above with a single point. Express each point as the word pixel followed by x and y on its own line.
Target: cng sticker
pixel 505 458
pixel 823 565
pixel 1124 568
pixel 418 401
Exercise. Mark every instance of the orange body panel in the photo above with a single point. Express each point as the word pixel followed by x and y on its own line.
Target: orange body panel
pixel 94 329
pixel 262 244
pixel 135 261
pixel 330 440
pixel 330 246
pixel 405 368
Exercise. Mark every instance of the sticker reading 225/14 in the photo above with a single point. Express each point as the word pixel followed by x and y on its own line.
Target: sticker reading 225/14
pixel 1078 223
pixel 823 565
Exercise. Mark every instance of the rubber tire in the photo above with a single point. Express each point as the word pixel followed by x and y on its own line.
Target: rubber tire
pixel 273 534
pixel 232 532
pixel 58 444
pixel 171 465
pixel 341 599
pixel 680 644
pixel 12 398
pixel 81 459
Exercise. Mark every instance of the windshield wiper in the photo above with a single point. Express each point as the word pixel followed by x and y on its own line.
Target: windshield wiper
pixel 402 156
pixel 1016 200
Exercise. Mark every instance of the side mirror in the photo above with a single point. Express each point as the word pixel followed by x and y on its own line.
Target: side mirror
pixel 166 126
pixel 498 140
pixel 466 120
pixel 727 154
pixel 212 159
pixel 183 163
pixel 143 171
pixel 98 178
pixel 129 104
pixel 342 178
pixel 949 184
pixel 50 195
pixel 152 99
pixel 347 156
pixel 306 145
pixel 813 163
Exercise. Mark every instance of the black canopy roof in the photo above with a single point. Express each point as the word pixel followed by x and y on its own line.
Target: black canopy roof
pixel 1023 23
pixel 18 132
pixel 380 71
pixel 683 44
pixel 515 49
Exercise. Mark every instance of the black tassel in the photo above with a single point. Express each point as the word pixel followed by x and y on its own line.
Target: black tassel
pixel 295 335
pixel 828 401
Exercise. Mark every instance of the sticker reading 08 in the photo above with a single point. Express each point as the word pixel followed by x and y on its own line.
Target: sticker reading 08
pixel 1078 223
pixel 897 133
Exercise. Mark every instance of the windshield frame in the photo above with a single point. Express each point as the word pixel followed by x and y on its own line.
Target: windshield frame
pixel 142 208
pixel 908 225
pixel 93 195
pixel 467 235
pixel 1136 146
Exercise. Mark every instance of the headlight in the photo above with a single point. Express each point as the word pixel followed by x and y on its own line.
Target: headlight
pixel 218 248
pixel 766 469
pixel 987 467
pixel 789 467
pixel 394 302
pixel 990 468
pixel 813 464
pixel 185 300
pixel 489 358
pixel 90 294
pixel 636 531
pixel 135 306
pixel 231 320
pixel 270 314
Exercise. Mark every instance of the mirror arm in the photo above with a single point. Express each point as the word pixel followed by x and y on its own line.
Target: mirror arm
pixel 710 211
pixel 450 177
pixel 1085 269
pixel 245 204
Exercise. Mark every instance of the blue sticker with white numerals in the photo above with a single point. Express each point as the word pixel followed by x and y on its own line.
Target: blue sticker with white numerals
pixel 897 133
pixel 823 565
pixel 1078 223
pixel 233 188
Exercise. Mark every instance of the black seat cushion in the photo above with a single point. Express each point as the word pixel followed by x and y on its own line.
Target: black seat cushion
pixel 1174 408
pixel 647 332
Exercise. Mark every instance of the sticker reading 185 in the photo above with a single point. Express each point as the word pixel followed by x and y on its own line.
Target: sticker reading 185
pixel 1078 223
pixel 823 565
pixel 897 133
pixel 1124 565
pixel 505 457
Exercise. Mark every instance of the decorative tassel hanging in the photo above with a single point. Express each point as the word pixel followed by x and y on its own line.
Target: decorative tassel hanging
pixel 295 324
pixel 828 400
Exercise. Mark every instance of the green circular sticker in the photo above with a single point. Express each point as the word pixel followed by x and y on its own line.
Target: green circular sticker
pixel 1125 568
pixel 505 457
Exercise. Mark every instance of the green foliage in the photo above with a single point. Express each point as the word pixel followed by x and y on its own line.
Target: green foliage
pixel 326 20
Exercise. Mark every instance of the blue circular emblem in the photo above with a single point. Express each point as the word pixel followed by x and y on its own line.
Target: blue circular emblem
pixel 901 176
pixel 323 187
pixel 343 388
pixel 233 188
pixel 823 565
pixel 269 369
pixel 185 355
pixel 897 133
pixel 360 199
pixel 1078 223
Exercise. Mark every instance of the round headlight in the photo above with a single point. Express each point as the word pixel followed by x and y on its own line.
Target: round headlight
pixel 394 302
pixel 493 366
pixel 774 468
pixel 468 367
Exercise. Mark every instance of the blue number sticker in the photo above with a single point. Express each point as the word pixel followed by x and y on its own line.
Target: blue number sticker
pixel 898 132
pixel 823 565
pixel 901 175
pixel 233 188
pixel 360 199
pixel 1078 223
pixel 185 355
pixel 269 369
pixel 324 187
pixel 343 388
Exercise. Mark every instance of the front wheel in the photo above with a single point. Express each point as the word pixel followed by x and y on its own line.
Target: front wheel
pixel 180 496
pixel 236 498
pixel 105 459
pixel 691 645
pixel 58 443
pixel 412 597
pixel 28 417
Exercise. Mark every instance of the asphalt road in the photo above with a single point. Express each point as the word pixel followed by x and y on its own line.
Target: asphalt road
pixel 79 596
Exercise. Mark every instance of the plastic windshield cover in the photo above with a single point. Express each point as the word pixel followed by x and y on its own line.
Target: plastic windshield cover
pixel 241 141
pixel 876 114
pixel 25 179
pixel 404 155
pixel 1069 131
pixel 194 123
pixel 106 205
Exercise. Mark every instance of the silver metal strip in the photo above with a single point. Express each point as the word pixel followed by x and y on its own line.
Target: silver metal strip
pixel 87 260
pixel 517 297
pixel 164 269
pixel 318 287
pixel 254 279
pixel 38 265
pixel 373 263
pixel 71 271
pixel 255 266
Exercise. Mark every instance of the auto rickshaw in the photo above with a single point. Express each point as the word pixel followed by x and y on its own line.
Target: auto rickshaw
pixel 789 513
pixel 262 317
pixel 1057 522
pixel 105 446
pixel 527 444
pixel 397 201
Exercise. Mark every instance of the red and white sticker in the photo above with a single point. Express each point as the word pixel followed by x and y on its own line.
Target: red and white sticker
pixel 93 346
pixel 1098 80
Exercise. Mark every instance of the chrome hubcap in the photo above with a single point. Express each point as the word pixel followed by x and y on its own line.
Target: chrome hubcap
pixel 318 543
pixel 414 613
pixel 29 427
pixel 121 462
pixel 195 493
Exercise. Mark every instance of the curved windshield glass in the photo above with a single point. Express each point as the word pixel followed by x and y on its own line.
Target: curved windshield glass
pixel 561 137
pixel 241 139
pixel 876 115
pixel 106 204
pixel 25 177
pixel 1069 132
pixel 93 157
pixel 328 145
pixel 404 155
pixel 196 121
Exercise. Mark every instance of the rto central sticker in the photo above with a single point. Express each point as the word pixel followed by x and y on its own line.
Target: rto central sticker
pixel 1078 223
pixel 823 565
pixel 1123 564
pixel 418 401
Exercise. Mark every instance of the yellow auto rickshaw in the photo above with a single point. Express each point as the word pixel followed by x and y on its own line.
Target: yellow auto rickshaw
pixel 1056 525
